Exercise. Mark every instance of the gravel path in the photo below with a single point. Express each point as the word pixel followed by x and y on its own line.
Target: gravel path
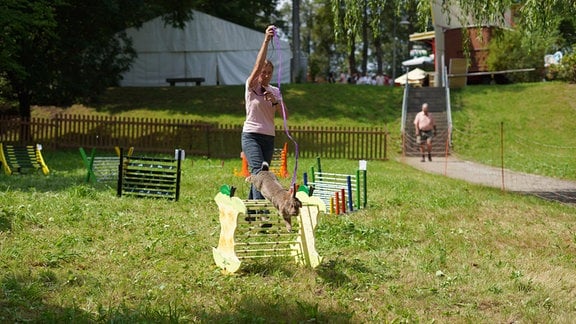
pixel 548 188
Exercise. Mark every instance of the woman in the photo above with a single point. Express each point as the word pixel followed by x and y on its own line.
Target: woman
pixel 262 102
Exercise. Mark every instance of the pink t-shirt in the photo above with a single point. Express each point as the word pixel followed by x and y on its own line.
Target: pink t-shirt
pixel 424 122
pixel 259 112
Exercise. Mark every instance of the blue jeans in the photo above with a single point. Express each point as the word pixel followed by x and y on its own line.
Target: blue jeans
pixel 257 148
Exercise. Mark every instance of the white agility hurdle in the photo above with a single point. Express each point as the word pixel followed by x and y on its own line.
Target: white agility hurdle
pixel 251 229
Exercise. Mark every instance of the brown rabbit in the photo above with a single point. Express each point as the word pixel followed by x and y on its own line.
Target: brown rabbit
pixel 284 200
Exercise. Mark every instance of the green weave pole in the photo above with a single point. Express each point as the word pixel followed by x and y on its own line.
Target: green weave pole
pixel 365 172
pixel 358 189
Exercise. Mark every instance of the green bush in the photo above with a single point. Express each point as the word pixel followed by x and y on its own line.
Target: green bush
pixel 519 49
pixel 566 71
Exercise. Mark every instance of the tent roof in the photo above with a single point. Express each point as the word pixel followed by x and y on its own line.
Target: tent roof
pixel 203 33
pixel 221 52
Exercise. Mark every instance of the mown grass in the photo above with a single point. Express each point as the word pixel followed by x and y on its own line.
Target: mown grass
pixel 427 248
pixel 308 104
pixel 529 124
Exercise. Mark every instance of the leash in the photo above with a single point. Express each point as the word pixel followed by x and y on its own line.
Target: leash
pixel 296 153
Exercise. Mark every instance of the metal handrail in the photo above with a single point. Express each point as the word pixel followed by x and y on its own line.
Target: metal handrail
pixel 404 105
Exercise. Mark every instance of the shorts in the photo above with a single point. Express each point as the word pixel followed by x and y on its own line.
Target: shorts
pixel 425 136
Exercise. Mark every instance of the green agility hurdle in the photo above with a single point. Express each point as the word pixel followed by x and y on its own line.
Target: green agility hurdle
pixel 339 192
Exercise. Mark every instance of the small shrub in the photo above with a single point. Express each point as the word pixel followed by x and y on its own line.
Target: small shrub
pixel 566 71
pixel 519 49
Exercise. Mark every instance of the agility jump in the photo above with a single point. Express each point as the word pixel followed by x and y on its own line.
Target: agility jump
pixel 102 168
pixel 252 229
pixel 341 193
pixel 22 159
pixel 150 177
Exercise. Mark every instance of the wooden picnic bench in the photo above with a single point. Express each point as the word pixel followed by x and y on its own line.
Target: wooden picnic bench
pixel 151 177
pixel 22 159
pixel 173 81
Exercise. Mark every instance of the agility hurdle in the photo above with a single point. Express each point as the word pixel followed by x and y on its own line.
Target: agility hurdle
pixel 253 229
pixel 278 165
pixel 22 159
pixel 102 168
pixel 341 193
pixel 150 177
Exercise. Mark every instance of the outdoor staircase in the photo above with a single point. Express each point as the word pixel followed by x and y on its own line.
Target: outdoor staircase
pixel 437 106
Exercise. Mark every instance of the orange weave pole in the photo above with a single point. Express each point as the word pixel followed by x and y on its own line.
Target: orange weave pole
pixel 245 172
pixel 284 162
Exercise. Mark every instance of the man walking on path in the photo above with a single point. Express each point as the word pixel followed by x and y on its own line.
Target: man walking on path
pixel 424 125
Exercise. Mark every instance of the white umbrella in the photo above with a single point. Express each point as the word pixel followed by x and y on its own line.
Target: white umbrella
pixel 414 76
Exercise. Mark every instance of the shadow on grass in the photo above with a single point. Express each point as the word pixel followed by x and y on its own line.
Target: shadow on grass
pixel 251 309
pixel 267 267
pixel 567 197
pixel 331 274
pixel 38 183
pixel 66 172
pixel 23 299
pixel 370 104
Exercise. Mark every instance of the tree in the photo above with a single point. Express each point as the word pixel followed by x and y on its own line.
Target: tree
pixel 373 23
pixel 55 52
pixel 255 14
pixel 325 54
pixel 25 26
pixel 543 16
pixel 61 51
pixel 519 49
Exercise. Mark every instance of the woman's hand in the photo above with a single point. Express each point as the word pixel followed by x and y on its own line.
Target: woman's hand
pixel 268 96
pixel 270 32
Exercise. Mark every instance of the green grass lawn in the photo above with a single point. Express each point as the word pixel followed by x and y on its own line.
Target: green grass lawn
pixel 529 124
pixel 427 248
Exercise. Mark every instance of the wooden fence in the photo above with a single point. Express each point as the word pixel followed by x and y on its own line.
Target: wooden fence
pixel 195 137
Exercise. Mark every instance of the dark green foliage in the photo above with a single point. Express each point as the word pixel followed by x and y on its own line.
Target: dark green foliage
pixel 59 52
pixel 520 49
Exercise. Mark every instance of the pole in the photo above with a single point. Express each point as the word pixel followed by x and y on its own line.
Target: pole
pixel 296 75
pixel 502 152
pixel 350 193
pixel 446 153
pixel 394 55
pixel 365 186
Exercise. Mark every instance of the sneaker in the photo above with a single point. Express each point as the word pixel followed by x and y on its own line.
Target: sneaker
pixel 430 157
pixel 423 160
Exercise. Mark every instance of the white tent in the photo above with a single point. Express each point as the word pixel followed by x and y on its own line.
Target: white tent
pixel 415 76
pixel 217 50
